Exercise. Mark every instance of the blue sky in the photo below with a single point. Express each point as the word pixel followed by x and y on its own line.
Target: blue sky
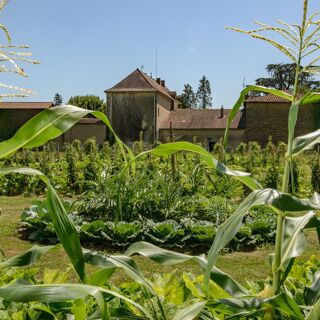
pixel 86 47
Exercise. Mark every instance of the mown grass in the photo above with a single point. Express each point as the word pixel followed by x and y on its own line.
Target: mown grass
pixel 242 266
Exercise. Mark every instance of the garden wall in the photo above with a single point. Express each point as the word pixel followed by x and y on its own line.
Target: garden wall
pixel 270 119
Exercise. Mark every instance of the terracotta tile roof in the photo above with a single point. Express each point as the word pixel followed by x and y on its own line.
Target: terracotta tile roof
pixel 25 105
pixel 266 98
pixel 139 81
pixel 199 119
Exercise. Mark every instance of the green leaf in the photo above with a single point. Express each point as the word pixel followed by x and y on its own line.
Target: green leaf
pixel 286 305
pixel 190 312
pixel 312 294
pixel 292 121
pixel 63 225
pixel 48 125
pixel 101 277
pixel 227 231
pixel 62 293
pixel 311 97
pixel 28 257
pixel 125 263
pixel 79 310
pixel 173 147
pixel 238 104
pixel 23 170
pixel 166 257
pixel 294 241
pixel 314 314
pixel 66 232
pixel 305 142
pixel 45 126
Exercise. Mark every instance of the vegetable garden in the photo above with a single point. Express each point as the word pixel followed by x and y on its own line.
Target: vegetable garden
pixel 128 195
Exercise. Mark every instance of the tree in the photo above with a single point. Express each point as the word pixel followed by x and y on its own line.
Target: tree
pixel 91 102
pixel 282 77
pixel 188 98
pixel 57 100
pixel 204 98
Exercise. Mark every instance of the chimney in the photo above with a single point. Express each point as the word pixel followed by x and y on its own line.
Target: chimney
pixel 159 80
pixel 163 83
pixel 221 112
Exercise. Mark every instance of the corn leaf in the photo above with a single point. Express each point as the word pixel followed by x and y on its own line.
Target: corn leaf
pixel 190 312
pixel 125 263
pixel 173 147
pixel 305 142
pixel 227 231
pixel 312 294
pixel 48 125
pixel 166 257
pixel 63 226
pixel 292 121
pixel 314 314
pixel 294 241
pixel 62 293
pixel 28 257
pixel 311 97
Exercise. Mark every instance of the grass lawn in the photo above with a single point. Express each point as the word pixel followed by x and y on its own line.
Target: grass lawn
pixel 241 265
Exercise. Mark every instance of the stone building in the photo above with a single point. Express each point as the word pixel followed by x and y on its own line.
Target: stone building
pixel 206 126
pixel 14 114
pixel 267 115
pixel 140 103
pixel 137 104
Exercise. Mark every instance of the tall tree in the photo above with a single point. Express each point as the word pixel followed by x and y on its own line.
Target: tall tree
pixel 282 77
pixel 91 102
pixel 57 99
pixel 188 98
pixel 204 98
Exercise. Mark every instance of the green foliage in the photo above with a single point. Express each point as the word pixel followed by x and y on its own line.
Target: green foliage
pixel 282 77
pixel 89 102
pixel 189 233
pixel 57 100
pixel 204 99
pixel 188 98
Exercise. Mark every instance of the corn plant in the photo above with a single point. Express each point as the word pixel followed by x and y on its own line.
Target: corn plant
pixel 273 303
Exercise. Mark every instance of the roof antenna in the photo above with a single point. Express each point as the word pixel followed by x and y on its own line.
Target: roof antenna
pixel 156 62
pixel 244 82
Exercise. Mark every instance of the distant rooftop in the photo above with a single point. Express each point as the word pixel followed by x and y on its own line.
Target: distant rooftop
pixel 200 119
pixel 25 105
pixel 265 98
pixel 139 81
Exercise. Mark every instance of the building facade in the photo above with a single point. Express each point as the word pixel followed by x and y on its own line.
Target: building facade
pixel 267 115
pixel 14 114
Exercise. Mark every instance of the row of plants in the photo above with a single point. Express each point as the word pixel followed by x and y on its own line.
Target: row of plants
pixel 186 233
pixel 83 167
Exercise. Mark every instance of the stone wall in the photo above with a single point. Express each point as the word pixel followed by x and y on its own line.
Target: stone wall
pixel 271 119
